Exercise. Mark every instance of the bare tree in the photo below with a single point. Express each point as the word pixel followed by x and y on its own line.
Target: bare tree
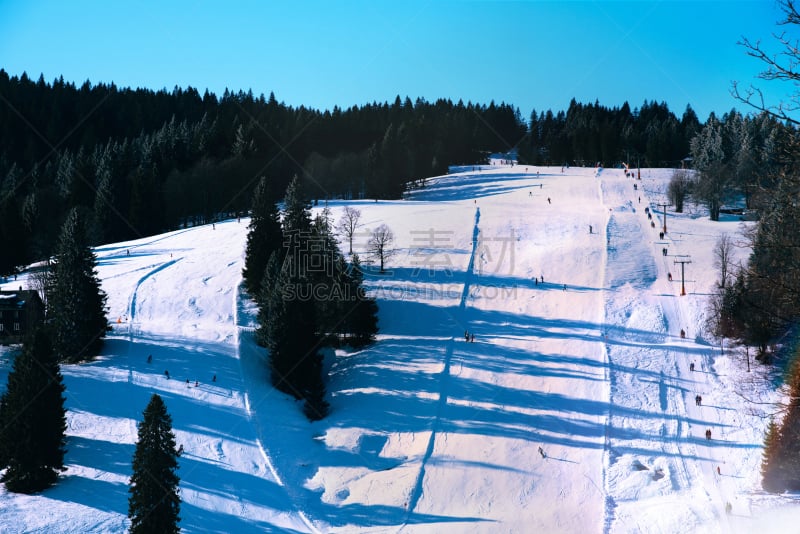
pixel 348 224
pixel 723 251
pixel 380 243
pixel 678 188
pixel 40 279
pixel 783 66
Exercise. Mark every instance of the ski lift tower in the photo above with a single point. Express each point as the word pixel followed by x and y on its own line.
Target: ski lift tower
pixel 683 263
pixel 665 215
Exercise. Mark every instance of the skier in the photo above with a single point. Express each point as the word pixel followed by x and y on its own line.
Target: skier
pixel 669 277
pixel 196 383
pixel 166 373
pixel 149 358
pixel 548 200
pixel 708 434
pixel 541 451
pixel 472 338
pixel 214 378
pixel 691 366
pixel 565 287
pixel 590 228
pixel 718 471
pixel 683 333
pixel 180 450
pixel 699 400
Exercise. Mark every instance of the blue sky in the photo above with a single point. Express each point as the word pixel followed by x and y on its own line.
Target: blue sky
pixel 533 54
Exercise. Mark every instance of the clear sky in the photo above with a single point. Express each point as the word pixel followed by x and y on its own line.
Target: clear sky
pixel 532 54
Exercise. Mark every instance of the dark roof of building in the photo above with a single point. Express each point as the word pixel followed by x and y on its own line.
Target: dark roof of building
pixel 16 299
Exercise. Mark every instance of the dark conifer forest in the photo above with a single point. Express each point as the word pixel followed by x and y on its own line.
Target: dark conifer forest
pixel 138 161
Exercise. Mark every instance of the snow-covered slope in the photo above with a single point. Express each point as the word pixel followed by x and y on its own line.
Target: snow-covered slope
pixel 571 411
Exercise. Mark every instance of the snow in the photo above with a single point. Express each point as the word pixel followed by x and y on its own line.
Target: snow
pixel 428 432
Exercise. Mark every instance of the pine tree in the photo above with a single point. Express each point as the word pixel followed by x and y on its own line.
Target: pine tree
pixel 315 407
pixel 76 303
pixel 325 273
pixel 296 215
pixel 771 479
pixel 268 282
pixel 360 311
pixel 291 333
pixel 290 313
pixel 154 502
pixel 33 419
pixel 264 237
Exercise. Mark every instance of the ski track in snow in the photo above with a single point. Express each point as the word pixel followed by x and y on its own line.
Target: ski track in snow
pixel 417 488
pixel 151 272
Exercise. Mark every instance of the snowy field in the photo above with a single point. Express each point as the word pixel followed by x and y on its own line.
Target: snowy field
pixel 571 411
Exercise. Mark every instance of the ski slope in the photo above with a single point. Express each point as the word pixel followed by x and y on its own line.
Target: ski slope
pixel 571 411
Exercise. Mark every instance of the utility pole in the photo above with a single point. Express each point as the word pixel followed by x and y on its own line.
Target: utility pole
pixel 665 215
pixel 683 264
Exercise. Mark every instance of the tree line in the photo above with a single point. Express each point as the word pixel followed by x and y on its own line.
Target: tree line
pixel 138 162
pixel 585 134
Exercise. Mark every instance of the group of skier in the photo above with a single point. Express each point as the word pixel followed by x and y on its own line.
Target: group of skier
pixel 196 382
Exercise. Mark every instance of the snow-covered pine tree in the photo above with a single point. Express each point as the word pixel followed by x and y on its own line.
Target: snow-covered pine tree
pixel 154 502
pixel 33 418
pixel 264 237
pixel 75 301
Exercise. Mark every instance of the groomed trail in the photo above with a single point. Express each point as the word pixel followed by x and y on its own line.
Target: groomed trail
pixel 656 433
